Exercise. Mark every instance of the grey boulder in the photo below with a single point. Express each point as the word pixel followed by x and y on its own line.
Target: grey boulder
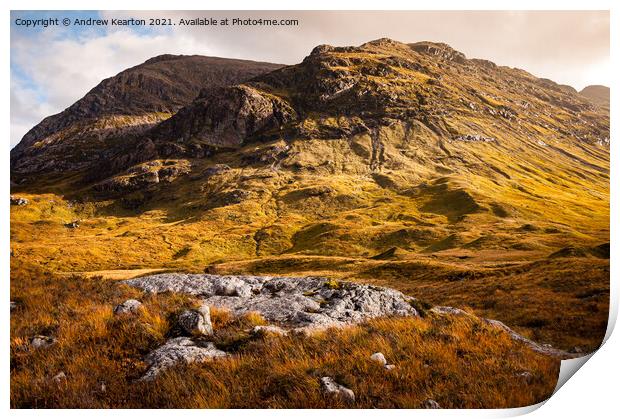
pixel 179 350
pixel 128 307
pixel 196 322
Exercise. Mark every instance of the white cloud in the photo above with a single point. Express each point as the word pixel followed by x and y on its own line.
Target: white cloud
pixel 66 69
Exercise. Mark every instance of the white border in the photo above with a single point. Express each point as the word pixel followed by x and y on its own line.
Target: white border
pixel 592 393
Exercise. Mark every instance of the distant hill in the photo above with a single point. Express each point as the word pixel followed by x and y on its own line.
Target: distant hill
pixel 597 94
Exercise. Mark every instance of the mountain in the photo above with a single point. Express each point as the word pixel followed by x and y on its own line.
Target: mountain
pixel 411 166
pixel 597 94
pixel 126 104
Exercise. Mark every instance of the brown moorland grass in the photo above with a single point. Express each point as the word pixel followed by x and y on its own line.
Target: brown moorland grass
pixel 459 362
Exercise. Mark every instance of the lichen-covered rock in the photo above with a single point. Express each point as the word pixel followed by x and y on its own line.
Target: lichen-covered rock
pixel 196 322
pixel 331 388
pixel 292 302
pixel 128 307
pixel 179 350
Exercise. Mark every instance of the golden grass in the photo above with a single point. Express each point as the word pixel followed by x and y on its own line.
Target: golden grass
pixel 459 362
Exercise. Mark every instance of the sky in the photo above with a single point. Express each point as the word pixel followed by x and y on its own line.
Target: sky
pixel 53 67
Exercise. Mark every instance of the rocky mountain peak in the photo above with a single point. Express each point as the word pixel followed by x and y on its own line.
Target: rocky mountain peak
pixel 439 49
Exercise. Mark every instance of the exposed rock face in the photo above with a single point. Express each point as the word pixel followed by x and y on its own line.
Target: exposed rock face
pixel 128 307
pixel 226 117
pixel 295 302
pixel 179 350
pixel 196 322
pixel 331 388
pixel 145 175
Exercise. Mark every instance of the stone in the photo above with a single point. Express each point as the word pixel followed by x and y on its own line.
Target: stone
pixel 389 367
pixel 269 330
pixel 128 307
pixel 310 303
pixel 331 388
pixel 431 404
pixel 73 224
pixel 196 322
pixel 19 201
pixel 443 310
pixel 179 350
pixel 59 378
pixel 525 375
pixel 231 287
pixel 379 357
pixel 40 341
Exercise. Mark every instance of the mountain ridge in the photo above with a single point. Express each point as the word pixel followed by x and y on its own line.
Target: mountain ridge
pixel 132 100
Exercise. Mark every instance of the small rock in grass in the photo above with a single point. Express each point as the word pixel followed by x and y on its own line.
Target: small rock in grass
pixel 431 404
pixel 331 388
pixel 59 378
pixel 196 322
pixel 389 367
pixel 128 307
pixel 40 341
pixel 73 224
pixel 16 200
pixel 379 357
pixel 269 330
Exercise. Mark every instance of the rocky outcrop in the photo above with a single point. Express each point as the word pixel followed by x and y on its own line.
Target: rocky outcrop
pixel 146 175
pixel 179 350
pixel 226 117
pixel 301 303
